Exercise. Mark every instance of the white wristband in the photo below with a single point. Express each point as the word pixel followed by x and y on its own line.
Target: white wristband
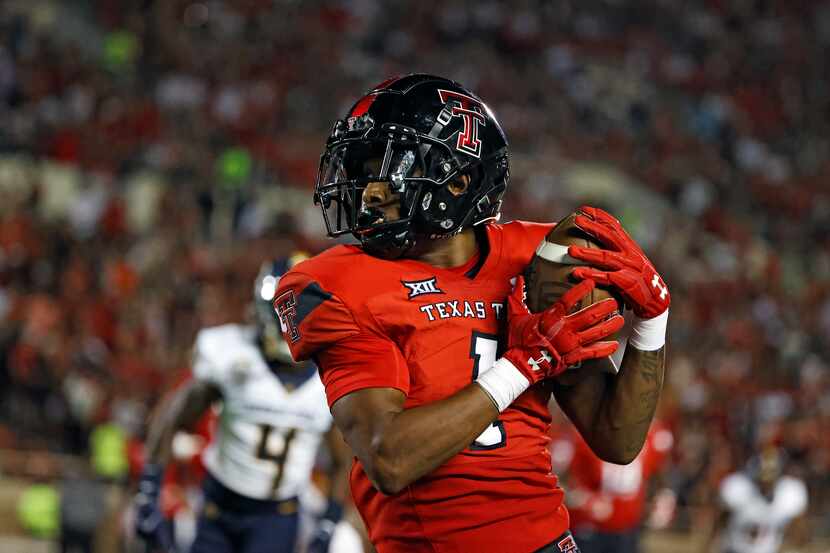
pixel 649 334
pixel 503 383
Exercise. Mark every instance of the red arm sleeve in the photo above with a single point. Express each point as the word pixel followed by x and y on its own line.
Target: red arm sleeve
pixel 362 361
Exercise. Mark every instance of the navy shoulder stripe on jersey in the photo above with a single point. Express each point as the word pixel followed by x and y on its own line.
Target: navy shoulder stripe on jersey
pixel 310 299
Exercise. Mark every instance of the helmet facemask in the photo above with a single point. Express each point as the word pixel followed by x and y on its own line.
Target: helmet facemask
pixel 349 166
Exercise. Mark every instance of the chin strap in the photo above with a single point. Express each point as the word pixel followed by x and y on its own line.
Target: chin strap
pixel 443 119
pixel 388 245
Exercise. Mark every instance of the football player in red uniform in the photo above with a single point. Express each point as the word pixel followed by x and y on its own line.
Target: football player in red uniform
pixel 606 501
pixel 436 373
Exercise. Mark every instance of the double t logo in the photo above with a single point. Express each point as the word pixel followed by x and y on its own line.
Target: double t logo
pixel 568 545
pixel 471 111
pixel 286 307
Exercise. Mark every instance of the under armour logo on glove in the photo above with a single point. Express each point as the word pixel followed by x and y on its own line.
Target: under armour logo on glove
pixel 545 344
pixel 544 358
pixel 623 266
pixel 542 345
pixel 664 290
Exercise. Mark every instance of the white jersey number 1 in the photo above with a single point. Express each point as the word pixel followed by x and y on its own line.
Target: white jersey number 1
pixel 483 351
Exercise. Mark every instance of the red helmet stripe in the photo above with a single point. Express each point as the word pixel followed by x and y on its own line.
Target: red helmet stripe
pixel 362 106
pixel 387 83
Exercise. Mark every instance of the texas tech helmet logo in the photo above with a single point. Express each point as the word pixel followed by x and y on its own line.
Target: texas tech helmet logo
pixel 471 111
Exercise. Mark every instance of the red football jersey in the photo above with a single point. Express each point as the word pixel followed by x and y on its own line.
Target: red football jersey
pixel 428 331
pixel 605 497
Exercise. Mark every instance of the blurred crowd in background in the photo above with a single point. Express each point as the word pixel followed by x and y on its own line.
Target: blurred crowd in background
pixel 152 154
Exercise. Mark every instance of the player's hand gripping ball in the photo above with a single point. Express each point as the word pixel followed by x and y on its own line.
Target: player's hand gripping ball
pixel 622 267
pixel 544 344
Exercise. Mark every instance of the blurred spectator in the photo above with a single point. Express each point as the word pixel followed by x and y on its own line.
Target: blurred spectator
pixel 759 504
pixel 609 503
pixel 84 506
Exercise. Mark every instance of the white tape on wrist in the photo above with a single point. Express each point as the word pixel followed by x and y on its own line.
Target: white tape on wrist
pixel 503 383
pixel 649 334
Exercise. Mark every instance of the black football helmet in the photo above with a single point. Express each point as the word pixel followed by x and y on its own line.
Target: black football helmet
pixel 274 347
pixel 417 133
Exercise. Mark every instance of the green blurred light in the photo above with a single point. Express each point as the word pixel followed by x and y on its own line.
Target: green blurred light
pixel 108 450
pixel 234 167
pixel 38 510
pixel 120 48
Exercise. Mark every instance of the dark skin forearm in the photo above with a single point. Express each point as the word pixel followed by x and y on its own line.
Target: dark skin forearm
pixel 341 457
pixel 613 412
pixel 179 411
pixel 396 446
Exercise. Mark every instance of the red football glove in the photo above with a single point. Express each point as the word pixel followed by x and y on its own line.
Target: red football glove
pixel 624 266
pixel 544 344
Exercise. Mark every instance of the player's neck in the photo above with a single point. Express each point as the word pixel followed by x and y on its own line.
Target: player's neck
pixel 450 252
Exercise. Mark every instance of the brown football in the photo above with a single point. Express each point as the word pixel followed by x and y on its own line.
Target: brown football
pixel 547 276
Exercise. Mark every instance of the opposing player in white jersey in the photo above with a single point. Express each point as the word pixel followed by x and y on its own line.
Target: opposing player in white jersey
pixel 758 505
pixel 273 419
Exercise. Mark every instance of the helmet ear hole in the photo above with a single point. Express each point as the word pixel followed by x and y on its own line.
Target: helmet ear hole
pixel 459 185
